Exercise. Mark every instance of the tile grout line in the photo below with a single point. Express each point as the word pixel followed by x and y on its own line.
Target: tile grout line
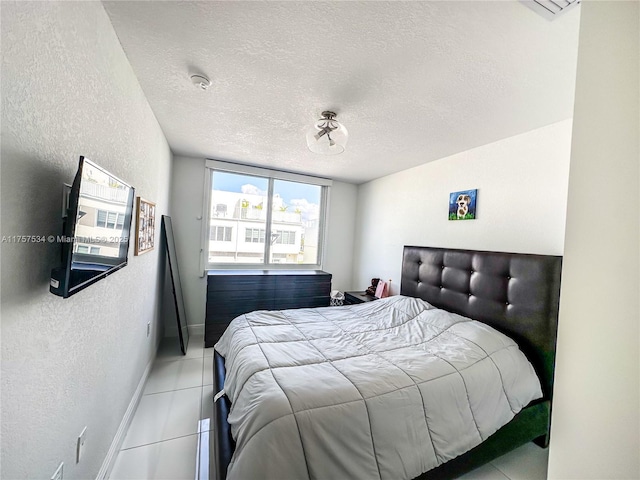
pixel 159 441
pixel 496 467
pixel 182 388
pixel 182 359
pixel 169 391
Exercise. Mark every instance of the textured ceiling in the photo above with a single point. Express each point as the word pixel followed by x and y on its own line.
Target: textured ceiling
pixel 412 81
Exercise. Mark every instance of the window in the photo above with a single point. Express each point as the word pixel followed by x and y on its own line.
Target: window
pixel 254 235
pixel 287 237
pixel 220 234
pixel 266 218
pixel 87 249
pixel 107 219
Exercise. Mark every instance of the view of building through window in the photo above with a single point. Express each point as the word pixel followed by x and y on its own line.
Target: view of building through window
pixel 246 225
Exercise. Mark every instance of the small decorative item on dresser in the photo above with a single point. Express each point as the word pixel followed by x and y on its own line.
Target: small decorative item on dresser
pixel 337 298
pixel 382 289
pixel 371 290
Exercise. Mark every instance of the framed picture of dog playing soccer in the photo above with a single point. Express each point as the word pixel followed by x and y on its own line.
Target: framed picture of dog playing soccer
pixel 462 205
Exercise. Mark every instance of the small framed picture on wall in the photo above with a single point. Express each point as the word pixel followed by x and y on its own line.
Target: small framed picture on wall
pixel 145 226
pixel 462 205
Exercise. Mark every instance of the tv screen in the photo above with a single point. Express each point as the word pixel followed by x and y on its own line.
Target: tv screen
pixel 95 240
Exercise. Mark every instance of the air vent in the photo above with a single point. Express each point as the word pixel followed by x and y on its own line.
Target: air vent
pixel 550 9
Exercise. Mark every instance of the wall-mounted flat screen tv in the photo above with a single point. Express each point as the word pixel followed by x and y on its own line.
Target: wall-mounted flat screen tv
pixel 96 232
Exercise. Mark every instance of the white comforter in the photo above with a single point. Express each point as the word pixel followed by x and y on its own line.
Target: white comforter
pixel 384 389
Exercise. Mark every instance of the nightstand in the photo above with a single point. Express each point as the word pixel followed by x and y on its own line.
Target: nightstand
pixel 352 298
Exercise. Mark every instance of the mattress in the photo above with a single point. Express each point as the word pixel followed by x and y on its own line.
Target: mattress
pixel 387 389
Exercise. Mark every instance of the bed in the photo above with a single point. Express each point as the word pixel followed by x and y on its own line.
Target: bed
pixel 515 296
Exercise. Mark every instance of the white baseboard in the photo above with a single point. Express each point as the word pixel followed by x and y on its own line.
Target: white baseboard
pixel 197 329
pixel 110 459
pixel 203 457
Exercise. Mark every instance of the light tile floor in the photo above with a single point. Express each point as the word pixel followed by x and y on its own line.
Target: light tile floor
pixel 162 440
pixel 528 462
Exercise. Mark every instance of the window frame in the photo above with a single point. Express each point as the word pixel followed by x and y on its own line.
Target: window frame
pixel 226 232
pixel 118 223
pixel 271 175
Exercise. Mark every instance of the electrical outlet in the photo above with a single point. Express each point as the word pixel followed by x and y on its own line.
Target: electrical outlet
pixel 80 446
pixel 58 474
pixel 148 328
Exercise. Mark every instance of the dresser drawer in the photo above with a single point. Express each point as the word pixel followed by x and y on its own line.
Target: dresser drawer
pixel 230 294
pixel 310 302
pixel 222 283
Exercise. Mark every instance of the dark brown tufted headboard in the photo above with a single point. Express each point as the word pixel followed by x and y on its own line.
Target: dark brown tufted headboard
pixel 515 293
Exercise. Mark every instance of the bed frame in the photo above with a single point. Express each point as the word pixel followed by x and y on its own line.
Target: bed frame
pixel 518 294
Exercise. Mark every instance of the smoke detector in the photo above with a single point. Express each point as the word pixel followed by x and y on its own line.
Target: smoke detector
pixel 200 81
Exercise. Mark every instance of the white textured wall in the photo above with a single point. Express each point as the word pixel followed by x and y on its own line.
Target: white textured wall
pixel 522 190
pixel 68 90
pixel 187 190
pixel 595 428
pixel 341 227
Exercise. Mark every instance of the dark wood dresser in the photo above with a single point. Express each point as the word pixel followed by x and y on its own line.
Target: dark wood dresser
pixel 233 292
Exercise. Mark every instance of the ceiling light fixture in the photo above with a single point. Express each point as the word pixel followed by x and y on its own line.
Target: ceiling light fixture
pixel 200 81
pixel 327 136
